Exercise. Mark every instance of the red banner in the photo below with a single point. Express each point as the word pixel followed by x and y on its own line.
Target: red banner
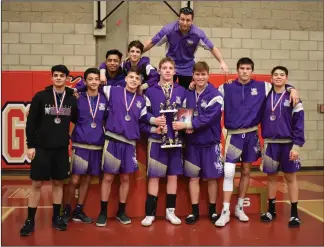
pixel 18 88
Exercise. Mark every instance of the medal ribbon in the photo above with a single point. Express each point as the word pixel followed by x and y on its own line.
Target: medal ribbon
pixel 93 114
pixel 273 108
pixel 167 87
pixel 128 107
pixel 55 101
pixel 197 96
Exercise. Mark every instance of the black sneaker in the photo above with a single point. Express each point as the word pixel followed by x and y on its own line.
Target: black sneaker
pixel 28 228
pixel 59 224
pixel 123 218
pixel 191 219
pixel 81 217
pixel 214 218
pixel 66 215
pixel 101 221
pixel 268 217
pixel 294 222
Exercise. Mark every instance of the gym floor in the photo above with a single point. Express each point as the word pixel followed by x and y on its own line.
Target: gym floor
pixel 311 207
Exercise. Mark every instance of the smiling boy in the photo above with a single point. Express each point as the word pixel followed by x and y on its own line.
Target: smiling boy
pixel 142 64
pixel 283 132
pixel 202 152
pixel 87 142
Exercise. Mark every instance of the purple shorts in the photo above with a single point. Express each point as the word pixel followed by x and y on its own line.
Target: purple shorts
pixel 242 147
pixel 162 162
pixel 276 158
pixel 119 157
pixel 86 161
pixel 204 162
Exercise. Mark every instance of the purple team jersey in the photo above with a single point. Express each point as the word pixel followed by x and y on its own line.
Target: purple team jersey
pixel 82 132
pixel 182 48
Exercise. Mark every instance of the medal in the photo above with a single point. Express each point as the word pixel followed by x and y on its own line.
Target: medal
pixel 273 117
pixel 196 113
pixel 57 120
pixel 93 114
pixel 128 117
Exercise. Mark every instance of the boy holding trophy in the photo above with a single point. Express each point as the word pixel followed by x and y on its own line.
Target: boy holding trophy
pixel 164 148
pixel 202 153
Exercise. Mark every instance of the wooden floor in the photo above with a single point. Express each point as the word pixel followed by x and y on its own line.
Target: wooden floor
pixel 311 203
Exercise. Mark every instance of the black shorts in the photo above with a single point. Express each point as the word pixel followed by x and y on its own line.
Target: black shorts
pixel 183 80
pixel 50 164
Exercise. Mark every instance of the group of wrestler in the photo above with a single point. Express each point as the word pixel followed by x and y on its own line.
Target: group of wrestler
pixel 113 106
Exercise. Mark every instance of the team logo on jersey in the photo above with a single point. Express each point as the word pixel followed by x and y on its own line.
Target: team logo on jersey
pixel 257 147
pixel 203 103
pixel 286 103
pixel 219 166
pixel 254 91
pixel 189 42
pixel 139 104
pixel 297 163
pixel 47 109
pixel 178 100
pixel 134 159
pixel 101 106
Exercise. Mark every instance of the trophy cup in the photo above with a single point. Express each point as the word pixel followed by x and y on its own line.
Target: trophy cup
pixel 168 142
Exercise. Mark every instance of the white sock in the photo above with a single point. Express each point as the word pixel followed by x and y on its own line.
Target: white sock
pixel 240 202
pixel 226 206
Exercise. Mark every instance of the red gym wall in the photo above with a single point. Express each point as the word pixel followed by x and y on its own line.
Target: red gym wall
pixel 18 89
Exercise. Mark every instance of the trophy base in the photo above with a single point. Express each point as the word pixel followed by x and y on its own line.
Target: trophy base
pixel 171 146
pixel 169 111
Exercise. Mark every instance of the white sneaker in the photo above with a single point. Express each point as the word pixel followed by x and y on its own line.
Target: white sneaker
pixel 170 216
pixel 239 213
pixel 148 220
pixel 223 219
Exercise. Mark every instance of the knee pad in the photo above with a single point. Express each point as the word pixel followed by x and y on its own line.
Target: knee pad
pixel 229 172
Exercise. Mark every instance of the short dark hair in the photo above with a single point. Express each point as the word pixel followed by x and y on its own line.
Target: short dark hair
pixel 281 68
pixel 114 52
pixel 200 66
pixel 91 71
pixel 187 11
pixel 136 43
pixel 245 60
pixel 60 68
pixel 135 70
